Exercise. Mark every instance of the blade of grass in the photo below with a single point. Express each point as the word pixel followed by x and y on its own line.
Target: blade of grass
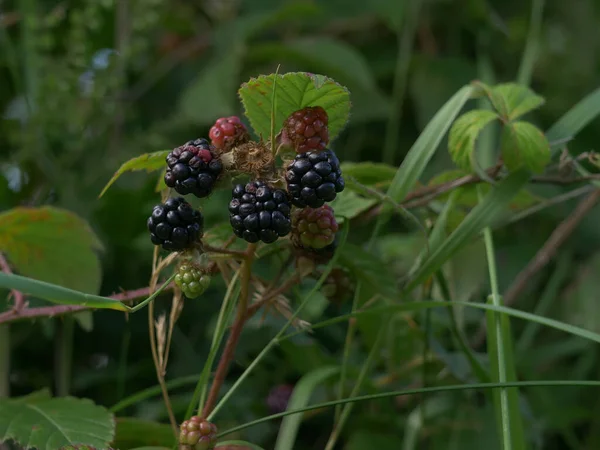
pixel 577 118
pixel 278 336
pixel 483 215
pixel 500 355
pixel 420 305
pixel 64 296
pixel 286 438
pixel 429 390
pixel 530 54
pixel 405 42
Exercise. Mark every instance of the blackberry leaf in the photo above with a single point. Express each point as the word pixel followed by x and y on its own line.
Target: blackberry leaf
pixel 148 162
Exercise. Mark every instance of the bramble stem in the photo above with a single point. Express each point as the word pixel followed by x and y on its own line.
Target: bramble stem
pixel 236 331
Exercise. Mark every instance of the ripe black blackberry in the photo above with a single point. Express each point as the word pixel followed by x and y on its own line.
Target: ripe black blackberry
pixel 193 168
pixel 175 225
pixel 314 178
pixel 259 212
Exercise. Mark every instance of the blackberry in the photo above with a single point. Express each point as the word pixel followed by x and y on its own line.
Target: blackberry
pixel 228 132
pixel 306 129
pixel 175 225
pixel 193 168
pixel 259 212
pixel 314 227
pixel 314 178
pixel 197 434
pixel 191 280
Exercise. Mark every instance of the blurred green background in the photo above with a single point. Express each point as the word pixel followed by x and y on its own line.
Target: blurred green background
pixel 86 85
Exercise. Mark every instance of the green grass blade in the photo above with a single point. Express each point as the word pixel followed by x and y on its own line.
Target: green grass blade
pixel 286 439
pixel 429 390
pixel 483 215
pixel 530 54
pixel 421 305
pixel 575 119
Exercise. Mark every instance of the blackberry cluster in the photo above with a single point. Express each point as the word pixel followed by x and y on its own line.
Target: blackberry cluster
pixel 259 212
pixel 175 225
pixel 314 227
pixel 307 129
pixel 197 434
pixel 193 168
pixel 192 281
pixel 227 132
pixel 314 178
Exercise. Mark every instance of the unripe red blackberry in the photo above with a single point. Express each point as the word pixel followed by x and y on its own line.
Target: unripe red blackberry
pixel 228 132
pixel 197 434
pixel 314 227
pixel 259 212
pixel 193 168
pixel 191 280
pixel 175 225
pixel 314 178
pixel 306 129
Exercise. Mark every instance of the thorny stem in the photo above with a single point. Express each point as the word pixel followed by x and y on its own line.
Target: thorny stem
pixel 234 335
pixel 159 370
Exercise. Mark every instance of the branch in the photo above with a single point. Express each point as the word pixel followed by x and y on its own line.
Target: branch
pixel 544 255
pixel 17 296
pixel 234 335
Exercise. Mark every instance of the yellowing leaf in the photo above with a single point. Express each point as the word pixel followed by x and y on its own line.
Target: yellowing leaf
pixel 464 133
pixel 513 100
pixel 524 145
pixel 51 245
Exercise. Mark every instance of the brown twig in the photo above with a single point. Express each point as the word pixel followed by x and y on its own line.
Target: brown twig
pixel 268 296
pixel 234 335
pixel 226 251
pixel 544 255
pixel 19 298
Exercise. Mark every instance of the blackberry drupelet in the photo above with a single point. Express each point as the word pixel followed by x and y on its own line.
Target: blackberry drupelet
pixel 306 129
pixel 175 225
pixel 197 434
pixel 259 212
pixel 314 178
pixel 193 168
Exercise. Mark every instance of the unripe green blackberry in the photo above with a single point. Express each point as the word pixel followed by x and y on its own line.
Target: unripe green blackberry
pixel 191 280
pixel 197 434
pixel 314 227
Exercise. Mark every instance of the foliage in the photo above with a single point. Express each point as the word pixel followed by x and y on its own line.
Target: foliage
pixel 489 179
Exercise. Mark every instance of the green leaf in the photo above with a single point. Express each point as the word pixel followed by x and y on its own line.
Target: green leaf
pixel 286 439
pixel 483 215
pixel 134 432
pixel 524 145
pixel 369 173
pixel 212 94
pixel 464 133
pixel 576 119
pixel 513 100
pixel 237 445
pixel 348 204
pixel 425 146
pixel 295 90
pixel 148 162
pixel 51 423
pixel 53 245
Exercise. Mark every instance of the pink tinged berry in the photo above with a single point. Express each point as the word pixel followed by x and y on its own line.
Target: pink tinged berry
pixel 307 129
pixel 314 228
pixel 228 132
